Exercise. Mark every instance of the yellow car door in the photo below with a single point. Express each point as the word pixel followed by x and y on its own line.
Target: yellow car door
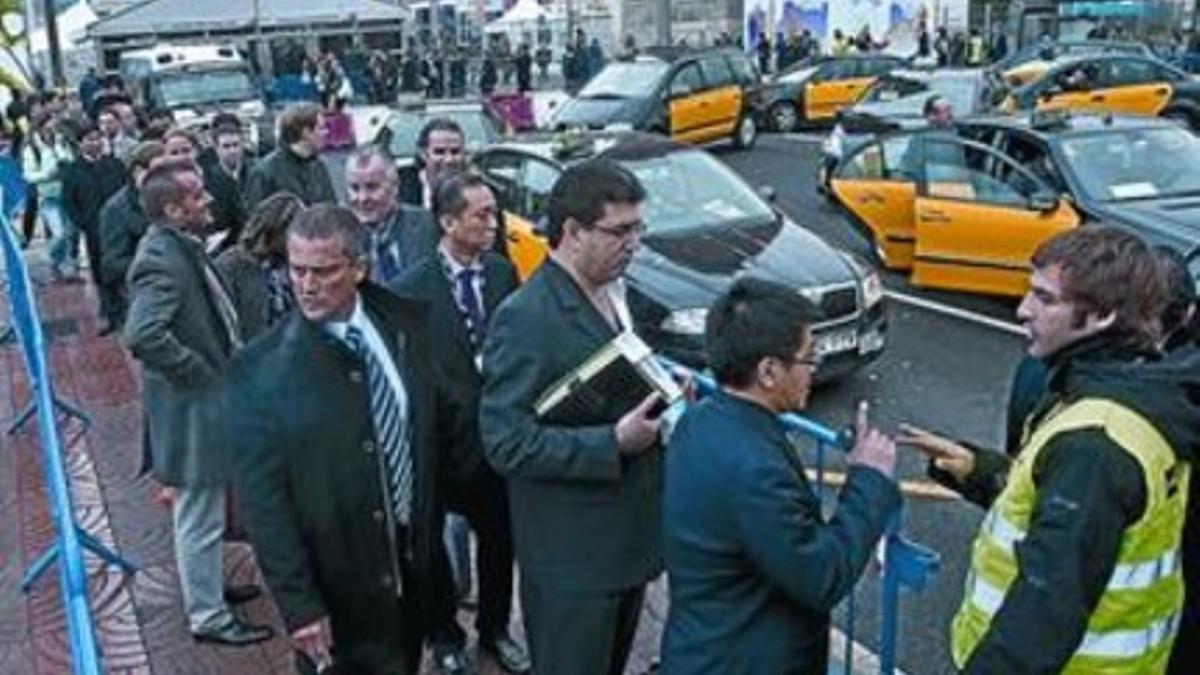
pixel 724 93
pixel 879 194
pixel 823 100
pixel 1138 99
pixel 978 219
pixel 690 107
pixel 526 248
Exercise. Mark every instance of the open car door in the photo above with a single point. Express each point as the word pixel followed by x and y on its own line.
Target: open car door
pixel 979 216
pixel 875 188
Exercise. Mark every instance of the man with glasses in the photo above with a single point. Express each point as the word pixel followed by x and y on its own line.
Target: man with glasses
pixel 753 567
pixel 441 150
pixel 584 492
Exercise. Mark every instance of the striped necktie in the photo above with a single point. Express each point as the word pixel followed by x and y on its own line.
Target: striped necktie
pixel 391 425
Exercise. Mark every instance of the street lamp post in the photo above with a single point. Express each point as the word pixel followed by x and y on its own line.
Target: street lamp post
pixel 56 66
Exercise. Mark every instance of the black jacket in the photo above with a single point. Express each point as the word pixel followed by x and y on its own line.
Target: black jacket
pixel 87 186
pixel 284 170
pixel 228 207
pixel 753 568
pixel 122 224
pixel 454 358
pixel 309 479
pixel 1089 491
pixel 585 518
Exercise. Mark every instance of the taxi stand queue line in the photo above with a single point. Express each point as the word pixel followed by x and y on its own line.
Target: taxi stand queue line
pixel 906 563
pixel 70 540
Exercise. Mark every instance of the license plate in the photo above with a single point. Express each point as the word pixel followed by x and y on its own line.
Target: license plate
pixel 837 341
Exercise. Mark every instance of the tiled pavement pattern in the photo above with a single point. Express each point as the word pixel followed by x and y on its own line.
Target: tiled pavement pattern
pixel 139 620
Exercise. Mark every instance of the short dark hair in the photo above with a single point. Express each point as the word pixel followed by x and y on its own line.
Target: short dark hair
pixel 294 121
pixel 160 186
pixel 143 154
pixel 326 221
pixel 450 194
pixel 224 123
pixel 83 128
pixel 1181 288
pixel 583 190
pixel 437 124
pixel 753 320
pixel 931 104
pixel 1109 270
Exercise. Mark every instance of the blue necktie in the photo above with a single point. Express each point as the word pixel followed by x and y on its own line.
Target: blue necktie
pixel 468 299
pixel 388 409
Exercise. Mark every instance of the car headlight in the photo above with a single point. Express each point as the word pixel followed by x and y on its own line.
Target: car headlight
pixel 686 321
pixel 872 289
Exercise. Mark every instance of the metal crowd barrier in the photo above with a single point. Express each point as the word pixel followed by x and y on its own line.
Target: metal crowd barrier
pixel 906 564
pixel 70 540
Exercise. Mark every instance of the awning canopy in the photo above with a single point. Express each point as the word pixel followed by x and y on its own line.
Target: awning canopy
pixel 164 17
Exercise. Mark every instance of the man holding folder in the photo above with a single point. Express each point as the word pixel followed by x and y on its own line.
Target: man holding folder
pixel 584 492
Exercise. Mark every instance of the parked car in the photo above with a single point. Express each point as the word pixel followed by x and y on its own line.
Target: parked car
pixel 691 96
pixel 811 93
pixel 1107 83
pixel 398 133
pixel 1033 60
pixel 705 227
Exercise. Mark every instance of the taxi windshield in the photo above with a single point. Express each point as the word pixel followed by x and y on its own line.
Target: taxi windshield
pixel 625 79
pixel 1118 166
pixel 478 129
pixel 689 189
pixel 206 87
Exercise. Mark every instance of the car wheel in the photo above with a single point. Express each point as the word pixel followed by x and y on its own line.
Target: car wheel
pixel 1181 117
pixel 784 117
pixel 745 133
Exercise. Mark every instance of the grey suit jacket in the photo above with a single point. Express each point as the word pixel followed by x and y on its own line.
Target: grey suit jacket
pixel 585 518
pixel 248 289
pixel 175 330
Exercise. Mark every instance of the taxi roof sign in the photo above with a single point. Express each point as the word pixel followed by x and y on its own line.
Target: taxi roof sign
pixel 1050 119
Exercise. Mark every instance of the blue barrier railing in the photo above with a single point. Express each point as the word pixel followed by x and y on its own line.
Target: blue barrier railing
pixel 906 564
pixel 70 540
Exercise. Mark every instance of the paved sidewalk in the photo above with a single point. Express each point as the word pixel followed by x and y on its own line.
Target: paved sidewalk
pixel 139 618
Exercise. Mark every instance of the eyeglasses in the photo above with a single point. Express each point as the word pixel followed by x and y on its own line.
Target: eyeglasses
pixel 813 360
pixel 623 231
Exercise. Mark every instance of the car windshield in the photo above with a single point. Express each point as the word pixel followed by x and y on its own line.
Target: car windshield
pixel 404 127
pixel 206 86
pixel 903 96
pixel 625 79
pixel 1133 164
pixel 690 188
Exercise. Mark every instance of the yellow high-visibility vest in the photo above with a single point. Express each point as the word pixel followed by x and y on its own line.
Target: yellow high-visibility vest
pixel 1133 626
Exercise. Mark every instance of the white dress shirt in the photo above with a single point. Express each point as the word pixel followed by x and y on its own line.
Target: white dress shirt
pixel 373 341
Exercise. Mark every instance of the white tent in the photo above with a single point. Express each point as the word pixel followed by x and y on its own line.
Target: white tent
pixel 527 15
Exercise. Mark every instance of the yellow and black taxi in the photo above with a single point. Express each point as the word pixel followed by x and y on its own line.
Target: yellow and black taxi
pixel 1032 61
pixel 811 93
pixel 1113 83
pixel 1134 172
pixel 965 210
pixel 694 96
pixel 705 227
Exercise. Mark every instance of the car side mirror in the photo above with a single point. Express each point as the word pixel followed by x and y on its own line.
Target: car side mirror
pixel 767 192
pixel 1043 201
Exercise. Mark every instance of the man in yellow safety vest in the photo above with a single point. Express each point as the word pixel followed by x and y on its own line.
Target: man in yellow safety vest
pixel 1076 567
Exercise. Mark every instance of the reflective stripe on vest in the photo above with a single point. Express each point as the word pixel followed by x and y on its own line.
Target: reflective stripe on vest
pixel 1137 616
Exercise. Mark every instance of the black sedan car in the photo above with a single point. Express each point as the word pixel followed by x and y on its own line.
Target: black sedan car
pixel 706 227
pixel 1136 172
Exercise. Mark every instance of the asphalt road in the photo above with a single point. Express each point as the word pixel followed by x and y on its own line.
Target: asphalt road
pixel 940 371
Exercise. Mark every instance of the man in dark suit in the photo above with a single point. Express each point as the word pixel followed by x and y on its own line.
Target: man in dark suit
pixel 753 567
pixel 88 183
pixel 227 176
pixel 183 328
pixel 584 492
pixel 122 225
pixel 336 411
pixel 295 165
pixel 441 150
pixel 463 283
pixel 400 235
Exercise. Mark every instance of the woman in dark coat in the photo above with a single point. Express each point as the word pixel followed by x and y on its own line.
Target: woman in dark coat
pixel 256 267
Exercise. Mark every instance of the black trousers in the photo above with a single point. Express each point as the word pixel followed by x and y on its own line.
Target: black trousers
pixel 580 633
pixel 30 216
pixel 112 296
pixel 484 504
